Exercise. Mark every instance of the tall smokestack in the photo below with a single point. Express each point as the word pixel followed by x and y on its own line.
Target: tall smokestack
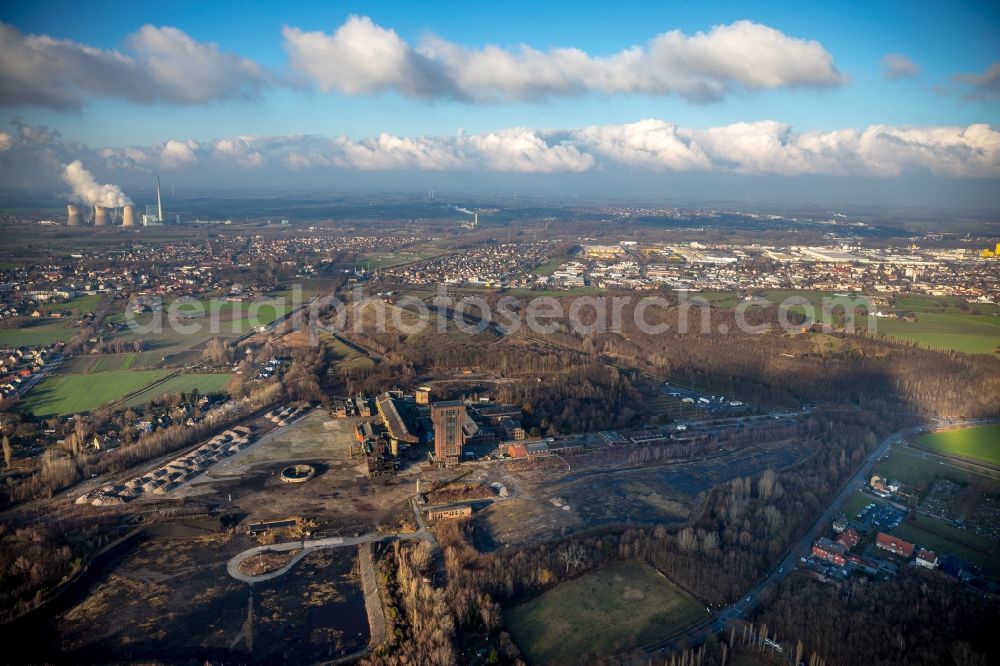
pixel 159 202
pixel 100 216
pixel 73 218
pixel 128 216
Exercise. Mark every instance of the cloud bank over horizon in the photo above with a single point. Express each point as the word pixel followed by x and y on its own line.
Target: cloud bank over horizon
pixel 757 148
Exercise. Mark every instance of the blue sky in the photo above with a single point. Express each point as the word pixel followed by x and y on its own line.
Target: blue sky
pixel 942 39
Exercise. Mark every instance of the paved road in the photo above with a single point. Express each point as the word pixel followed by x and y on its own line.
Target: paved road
pixel 801 548
pixel 233 566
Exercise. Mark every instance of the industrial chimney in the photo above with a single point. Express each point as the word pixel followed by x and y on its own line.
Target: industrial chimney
pixel 159 202
pixel 128 216
pixel 72 215
pixel 100 216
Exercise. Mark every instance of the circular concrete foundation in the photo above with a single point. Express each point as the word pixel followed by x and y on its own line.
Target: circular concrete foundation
pixel 298 473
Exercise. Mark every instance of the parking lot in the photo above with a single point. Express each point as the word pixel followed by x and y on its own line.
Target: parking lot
pixel 882 516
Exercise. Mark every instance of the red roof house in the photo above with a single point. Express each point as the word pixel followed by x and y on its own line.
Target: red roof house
pixel 927 558
pixel 824 549
pixel 849 538
pixel 894 545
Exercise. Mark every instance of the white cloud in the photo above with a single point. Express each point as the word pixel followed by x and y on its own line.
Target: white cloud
pixel 175 154
pixel 647 144
pixel 971 152
pixel 164 65
pixel 770 147
pixel 362 57
pixel 186 71
pixel 773 147
pixel 517 149
pixel 171 154
pixel 392 152
pixel 524 150
pixel 896 66
pixel 240 150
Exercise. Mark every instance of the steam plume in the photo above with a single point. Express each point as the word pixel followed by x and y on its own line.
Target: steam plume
pixel 88 191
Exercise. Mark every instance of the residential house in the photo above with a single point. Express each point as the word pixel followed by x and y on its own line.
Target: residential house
pixel 829 551
pixel 927 558
pixel 849 538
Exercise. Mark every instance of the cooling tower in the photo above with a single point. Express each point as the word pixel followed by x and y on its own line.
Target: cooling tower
pixel 73 218
pixel 128 216
pixel 100 216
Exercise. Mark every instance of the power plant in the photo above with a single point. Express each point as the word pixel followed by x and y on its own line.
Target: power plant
pixel 73 217
pixel 105 216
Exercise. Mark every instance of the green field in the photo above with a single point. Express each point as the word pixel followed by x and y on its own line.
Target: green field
pixel 71 394
pixel 346 358
pixel 915 471
pixel 943 304
pixel 38 332
pixel 78 305
pixel 113 362
pixel 943 323
pixel 981 443
pixel 380 260
pixel 185 383
pixel 82 365
pixel 815 298
pixel 608 611
pixel 549 267
pixel 967 333
pixel 78 393
pixel 717 299
pixel 555 293
pixel 946 323
pixel 182 344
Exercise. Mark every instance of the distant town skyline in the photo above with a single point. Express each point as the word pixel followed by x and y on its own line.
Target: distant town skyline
pixel 708 99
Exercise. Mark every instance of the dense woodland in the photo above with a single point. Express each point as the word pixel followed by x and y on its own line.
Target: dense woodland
pixel 918 617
